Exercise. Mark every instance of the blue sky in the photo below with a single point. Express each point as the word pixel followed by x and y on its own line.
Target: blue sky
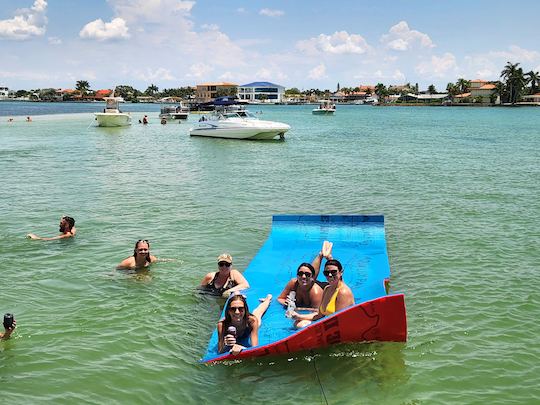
pixel 304 44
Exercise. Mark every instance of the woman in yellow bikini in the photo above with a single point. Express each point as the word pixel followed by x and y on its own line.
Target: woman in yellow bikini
pixel 336 295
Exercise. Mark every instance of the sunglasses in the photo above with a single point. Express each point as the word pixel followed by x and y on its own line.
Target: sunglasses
pixel 224 264
pixel 304 273
pixel 330 273
pixel 237 309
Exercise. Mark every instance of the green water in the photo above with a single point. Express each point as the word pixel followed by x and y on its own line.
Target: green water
pixel 459 188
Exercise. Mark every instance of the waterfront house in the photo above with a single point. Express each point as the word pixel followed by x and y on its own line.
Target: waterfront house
pixel 207 92
pixel 5 93
pixel 532 99
pixel 482 88
pixel 101 94
pixel 423 98
pixel 261 91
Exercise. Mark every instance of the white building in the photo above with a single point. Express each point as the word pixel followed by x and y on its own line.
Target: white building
pixel 261 92
pixel 4 93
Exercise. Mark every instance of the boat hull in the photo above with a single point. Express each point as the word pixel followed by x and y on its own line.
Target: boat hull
pixel 246 129
pixel 318 111
pixel 175 117
pixel 113 119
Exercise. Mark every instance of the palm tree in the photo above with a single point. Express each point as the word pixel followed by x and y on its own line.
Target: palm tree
pixel 500 90
pixel 463 85
pixel 381 92
pixel 151 90
pixel 452 90
pixel 83 86
pixel 431 89
pixel 515 80
pixel 533 78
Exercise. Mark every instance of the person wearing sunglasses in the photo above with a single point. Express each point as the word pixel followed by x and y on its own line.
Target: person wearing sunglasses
pixel 66 229
pixel 336 295
pixel 141 256
pixel 225 280
pixel 240 328
pixel 308 291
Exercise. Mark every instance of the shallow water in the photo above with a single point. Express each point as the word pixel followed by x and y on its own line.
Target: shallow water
pixel 459 190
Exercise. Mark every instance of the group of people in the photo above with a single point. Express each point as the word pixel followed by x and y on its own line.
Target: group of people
pixel 306 298
pixel 312 299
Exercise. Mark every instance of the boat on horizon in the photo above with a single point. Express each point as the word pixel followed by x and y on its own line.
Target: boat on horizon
pixel 111 115
pixel 239 124
pixel 326 107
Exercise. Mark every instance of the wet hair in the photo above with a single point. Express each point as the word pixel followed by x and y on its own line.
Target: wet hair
pixel 135 250
pixel 309 266
pixel 334 262
pixel 70 221
pixel 228 320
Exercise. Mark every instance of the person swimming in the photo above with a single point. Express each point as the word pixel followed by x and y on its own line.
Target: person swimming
pixel 66 229
pixel 141 257
pixel 226 280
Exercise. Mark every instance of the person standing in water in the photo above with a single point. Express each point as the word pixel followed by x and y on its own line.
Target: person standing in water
pixel 226 280
pixel 141 257
pixel 66 229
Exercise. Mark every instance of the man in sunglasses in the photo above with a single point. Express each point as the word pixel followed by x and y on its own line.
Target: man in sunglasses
pixel 226 280
pixel 66 229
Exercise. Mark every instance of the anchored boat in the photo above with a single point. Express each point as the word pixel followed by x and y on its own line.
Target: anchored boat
pixel 325 107
pixel 235 125
pixel 111 115
pixel 360 244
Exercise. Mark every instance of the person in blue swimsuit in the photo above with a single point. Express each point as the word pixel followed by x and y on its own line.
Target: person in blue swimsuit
pixel 226 280
pixel 240 328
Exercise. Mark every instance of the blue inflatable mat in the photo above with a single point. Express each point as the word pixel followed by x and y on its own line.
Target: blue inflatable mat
pixel 358 243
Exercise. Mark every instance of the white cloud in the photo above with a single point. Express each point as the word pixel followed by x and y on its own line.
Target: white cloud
pixel 271 13
pixel 149 75
pixel 270 74
pixel 151 10
pixel 199 70
pixel 318 72
pixel 486 74
pixel 402 38
pixel 102 31
pixel 339 42
pixel 437 66
pixel 210 27
pixel 54 41
pixel 226 77
pixel 516 54
pixel 26 23
pixel 241 10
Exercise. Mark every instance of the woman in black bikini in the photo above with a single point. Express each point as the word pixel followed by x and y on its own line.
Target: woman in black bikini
pixel 226 280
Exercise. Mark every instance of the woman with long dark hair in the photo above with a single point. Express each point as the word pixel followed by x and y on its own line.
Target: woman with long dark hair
pixel 240 328
pixel 141 256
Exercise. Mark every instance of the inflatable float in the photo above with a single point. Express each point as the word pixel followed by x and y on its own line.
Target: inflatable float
pixel 360 245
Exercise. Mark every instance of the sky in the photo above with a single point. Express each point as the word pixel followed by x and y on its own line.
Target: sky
pixel 295 43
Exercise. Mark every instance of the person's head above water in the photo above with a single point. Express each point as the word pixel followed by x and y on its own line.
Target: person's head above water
pixel 333 270
pixel 305 273
pixel 66 224
pixel 142 248
pixel 224 261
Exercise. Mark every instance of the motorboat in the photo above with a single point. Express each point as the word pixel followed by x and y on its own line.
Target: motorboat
pixel 325 107
pixel 111 115
pixel 174 112
pixel 238 125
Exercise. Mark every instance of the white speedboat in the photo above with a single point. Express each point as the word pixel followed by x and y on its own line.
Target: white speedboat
pixel 174 112
pixel 233 126
pixel 111 115
pixel 325 108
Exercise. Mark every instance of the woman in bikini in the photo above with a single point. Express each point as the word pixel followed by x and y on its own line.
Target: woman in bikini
pixel 226 280
pixel 336 295
pixel 308 291
pixel 240 328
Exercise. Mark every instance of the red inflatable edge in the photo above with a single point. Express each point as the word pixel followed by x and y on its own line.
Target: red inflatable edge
pixel 383 319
